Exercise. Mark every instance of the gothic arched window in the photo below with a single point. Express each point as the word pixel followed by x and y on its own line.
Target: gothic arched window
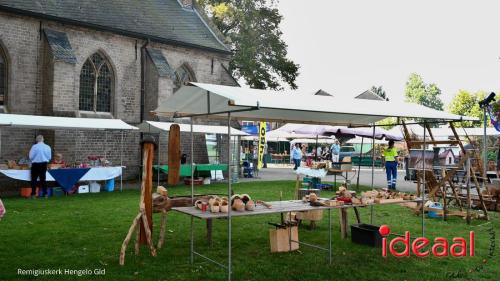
pixel 184 75
pixel 96 84
pixel 3 77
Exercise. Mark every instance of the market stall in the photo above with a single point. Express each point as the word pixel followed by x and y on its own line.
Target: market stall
pixel 250 104
pixel 97 169
pixel 155 127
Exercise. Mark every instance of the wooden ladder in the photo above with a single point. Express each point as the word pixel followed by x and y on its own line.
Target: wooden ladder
pixel 431 183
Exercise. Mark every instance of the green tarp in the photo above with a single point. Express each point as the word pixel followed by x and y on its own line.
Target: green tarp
pixel 185 170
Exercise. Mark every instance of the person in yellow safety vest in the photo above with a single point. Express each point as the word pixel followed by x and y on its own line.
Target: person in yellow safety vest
pixel 390 157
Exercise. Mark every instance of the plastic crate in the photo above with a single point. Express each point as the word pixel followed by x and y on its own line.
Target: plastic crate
pixel 109 186
pixel 324 186
pixel 366 234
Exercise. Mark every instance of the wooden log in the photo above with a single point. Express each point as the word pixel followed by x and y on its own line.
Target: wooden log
pixel 148 235
pixel 137 245
pixel 127 239
pixel 146 190
pixel 445 204
pixel 478 189
pixel 174 154
pixel 163 225
pixel 459 202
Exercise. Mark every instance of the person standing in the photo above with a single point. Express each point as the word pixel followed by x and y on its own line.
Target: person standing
pixel 40 154
pixel 335 149
pixel 390 157
pixel 296 155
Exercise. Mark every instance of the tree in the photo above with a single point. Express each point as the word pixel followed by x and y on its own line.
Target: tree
pixel 380 92
pixel 389 121
pixel 466 104
pixel 419 92
pixel 259 53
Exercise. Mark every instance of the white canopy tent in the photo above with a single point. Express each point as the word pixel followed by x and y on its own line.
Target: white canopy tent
pixel 65 123
pixel 252 104
pixel 156 127
pixel 320 141
pixel 446 132
pixel 51 122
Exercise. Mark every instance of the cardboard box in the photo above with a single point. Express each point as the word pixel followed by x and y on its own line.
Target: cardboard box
pixel 279 239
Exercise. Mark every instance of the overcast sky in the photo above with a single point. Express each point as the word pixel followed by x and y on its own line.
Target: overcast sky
pixel 345 47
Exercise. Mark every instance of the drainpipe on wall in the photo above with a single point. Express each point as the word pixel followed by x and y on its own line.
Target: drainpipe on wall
pixel 143 93
pixel 143 78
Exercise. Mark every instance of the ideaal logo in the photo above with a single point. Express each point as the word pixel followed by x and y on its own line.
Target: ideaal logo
pixel 440 247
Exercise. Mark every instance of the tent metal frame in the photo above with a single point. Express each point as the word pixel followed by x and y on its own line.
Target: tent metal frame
pixel 228 267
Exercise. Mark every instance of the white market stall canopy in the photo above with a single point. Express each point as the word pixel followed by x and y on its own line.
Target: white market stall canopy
pixel 319 141
pixel 156 127
pixel 253 104
pixel 51 122
pixel 446 132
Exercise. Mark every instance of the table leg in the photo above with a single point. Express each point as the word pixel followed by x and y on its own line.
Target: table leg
pixel 209 232
pixel 289 233
pixel 343 223
pixel 330 236
pixel 358 218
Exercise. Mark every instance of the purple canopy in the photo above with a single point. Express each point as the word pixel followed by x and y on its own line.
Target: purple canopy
pixel 366 133
pixel 326 130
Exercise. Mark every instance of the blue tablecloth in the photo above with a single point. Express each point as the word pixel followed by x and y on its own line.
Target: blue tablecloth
pixel 67 178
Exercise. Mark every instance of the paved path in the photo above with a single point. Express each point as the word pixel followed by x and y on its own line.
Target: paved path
pixel 287 173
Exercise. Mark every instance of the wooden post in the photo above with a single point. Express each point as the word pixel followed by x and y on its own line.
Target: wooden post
pixel 146 203
pixel 209 232
pixel 445 204
pixel 297 186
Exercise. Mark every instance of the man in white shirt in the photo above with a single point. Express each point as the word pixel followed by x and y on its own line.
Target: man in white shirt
pixel 335 149
pixel 40 155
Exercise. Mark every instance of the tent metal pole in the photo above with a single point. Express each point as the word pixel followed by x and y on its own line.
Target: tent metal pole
pixel 373 170
pixel 316 153
pixel 158 161
pixel 121 162
pixel 229 195
pixel 485 150
pixel 105 145
pixel 76 145
pixel 424 183
pixel 359 164
pixel 192 189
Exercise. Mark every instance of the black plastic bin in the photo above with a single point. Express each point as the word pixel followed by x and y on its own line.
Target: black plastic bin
pixel 366 234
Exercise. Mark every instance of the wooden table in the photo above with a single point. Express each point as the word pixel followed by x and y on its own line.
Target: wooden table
pixel 280 207
pixel 336 173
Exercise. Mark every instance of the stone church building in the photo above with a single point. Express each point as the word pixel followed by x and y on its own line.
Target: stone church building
pixel 102 59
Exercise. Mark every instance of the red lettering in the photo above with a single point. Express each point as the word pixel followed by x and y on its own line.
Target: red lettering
pixel 406 243
pixel 418 244
pixel 472 246
pixel 384 247
pixel 460 243
pixel 440 242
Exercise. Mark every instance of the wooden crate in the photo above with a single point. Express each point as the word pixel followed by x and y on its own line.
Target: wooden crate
pixel 279 239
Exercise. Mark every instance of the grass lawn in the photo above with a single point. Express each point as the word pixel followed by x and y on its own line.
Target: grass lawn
pixel 86 232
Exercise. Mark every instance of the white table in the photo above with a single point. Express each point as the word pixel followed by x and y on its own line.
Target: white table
pixel 94 174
